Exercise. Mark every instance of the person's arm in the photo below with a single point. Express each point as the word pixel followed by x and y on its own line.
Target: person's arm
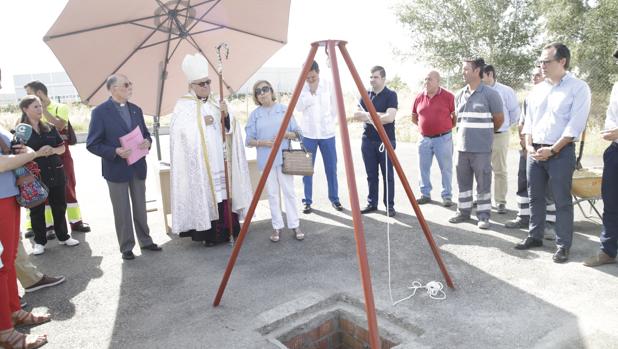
pixel 23 155
pixel 54 119
pixel 60 148
pixel 513 107
pixel 96 142
pixel 415 119
pixel 498 119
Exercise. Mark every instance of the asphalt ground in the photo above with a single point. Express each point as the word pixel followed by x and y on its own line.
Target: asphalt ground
pixel 503 298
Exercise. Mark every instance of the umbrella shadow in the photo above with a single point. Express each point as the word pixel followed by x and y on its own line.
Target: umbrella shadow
pixel 61 260
pixel 166 298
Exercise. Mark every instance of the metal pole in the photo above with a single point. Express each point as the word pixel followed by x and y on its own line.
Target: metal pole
pixel 267 168
pixel 359 234
pixel 393 157
pixel 226 150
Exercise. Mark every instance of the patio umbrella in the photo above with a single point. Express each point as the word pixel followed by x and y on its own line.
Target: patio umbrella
pixel 147 40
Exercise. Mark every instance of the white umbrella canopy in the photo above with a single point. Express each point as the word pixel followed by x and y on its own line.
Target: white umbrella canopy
pixel 147 40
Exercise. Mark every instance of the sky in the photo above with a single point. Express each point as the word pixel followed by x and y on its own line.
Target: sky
pixel 370 27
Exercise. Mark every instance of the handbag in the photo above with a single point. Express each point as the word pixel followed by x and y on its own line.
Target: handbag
pixel 32 191
pixel 297 162
pixel 69 135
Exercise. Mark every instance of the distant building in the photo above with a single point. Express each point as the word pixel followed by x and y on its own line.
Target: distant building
pixel 7 99
pixel 59 86
pixel 61 89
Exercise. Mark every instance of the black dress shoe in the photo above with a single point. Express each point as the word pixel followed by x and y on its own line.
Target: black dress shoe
pixel 152 247
pixel 307 209
pixel 392 212
pixel 80 227
pixel 368 209
pixel 337 206
pixel 128 255
pixel 561 255
pixel 528 243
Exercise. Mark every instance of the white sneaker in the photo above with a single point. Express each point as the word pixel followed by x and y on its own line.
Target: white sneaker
pixel 69 242
pixel 483 224
pixel 38 249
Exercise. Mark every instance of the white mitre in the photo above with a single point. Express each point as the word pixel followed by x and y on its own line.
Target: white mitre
pixel 195 67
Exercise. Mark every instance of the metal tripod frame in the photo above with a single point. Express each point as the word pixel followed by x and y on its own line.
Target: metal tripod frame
pixel 359 235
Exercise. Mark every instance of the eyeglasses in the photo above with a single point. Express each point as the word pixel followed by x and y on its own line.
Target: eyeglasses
pixel 545 62
pixel 126 84
pixel 203 83
pixel 264 89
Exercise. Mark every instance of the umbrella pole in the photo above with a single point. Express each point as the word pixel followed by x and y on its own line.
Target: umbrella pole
pixel 226 151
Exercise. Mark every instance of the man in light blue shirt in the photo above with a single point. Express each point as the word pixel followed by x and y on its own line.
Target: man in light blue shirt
pixel 500 147
pixel 556 115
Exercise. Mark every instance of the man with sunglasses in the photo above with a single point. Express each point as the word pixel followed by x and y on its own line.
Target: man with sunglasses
pixel 556 115
pixel 318 124
pixel 609 185
pixel 111 120
pixel 199 199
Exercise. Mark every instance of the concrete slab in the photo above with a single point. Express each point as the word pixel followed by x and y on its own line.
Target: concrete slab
pixel 503 298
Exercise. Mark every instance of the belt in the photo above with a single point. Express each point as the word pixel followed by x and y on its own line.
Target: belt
pixel 496 132
pixel 537 145
pixel 438 135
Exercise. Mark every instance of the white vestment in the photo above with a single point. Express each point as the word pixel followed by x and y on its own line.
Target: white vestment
pixel 196 170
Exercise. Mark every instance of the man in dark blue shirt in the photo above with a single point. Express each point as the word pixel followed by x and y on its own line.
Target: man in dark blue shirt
pixel 385 102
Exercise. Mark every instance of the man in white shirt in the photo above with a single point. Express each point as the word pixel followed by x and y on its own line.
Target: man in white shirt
pixel 609 186
pixel 500 146
pixel 318 126
pixel 556 115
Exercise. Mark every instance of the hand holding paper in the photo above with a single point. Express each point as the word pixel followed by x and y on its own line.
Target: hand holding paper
pixel 135 145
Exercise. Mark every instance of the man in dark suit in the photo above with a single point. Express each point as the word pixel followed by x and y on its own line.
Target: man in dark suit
pixel 127 183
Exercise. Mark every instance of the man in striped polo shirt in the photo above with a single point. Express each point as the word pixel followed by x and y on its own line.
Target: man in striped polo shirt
pixel 479 115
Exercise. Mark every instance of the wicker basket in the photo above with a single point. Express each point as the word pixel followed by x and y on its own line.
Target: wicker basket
pixel 587 182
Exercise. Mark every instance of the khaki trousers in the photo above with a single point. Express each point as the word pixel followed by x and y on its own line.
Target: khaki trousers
pixel 27 273
pixel 499 151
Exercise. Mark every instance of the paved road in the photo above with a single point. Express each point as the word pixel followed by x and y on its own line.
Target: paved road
pixel 504 298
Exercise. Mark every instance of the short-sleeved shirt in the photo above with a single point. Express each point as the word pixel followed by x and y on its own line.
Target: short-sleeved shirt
pixel 382 101
pixel 264 124
pixel 7 178
pixel 475 127
pixel 434 113
pixel 52 168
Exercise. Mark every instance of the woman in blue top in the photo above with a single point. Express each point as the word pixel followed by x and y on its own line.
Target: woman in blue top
pixel 262 127
pixel 11 313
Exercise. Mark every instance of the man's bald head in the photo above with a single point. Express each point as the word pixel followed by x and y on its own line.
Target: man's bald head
pixel 432 82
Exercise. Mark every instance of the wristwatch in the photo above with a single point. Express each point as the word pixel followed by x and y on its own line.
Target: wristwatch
pixel 553 152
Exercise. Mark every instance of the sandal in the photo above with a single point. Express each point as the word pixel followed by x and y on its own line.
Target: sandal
pixel 24 318
pixel 274 237
pixel 11 339
pixel 299 234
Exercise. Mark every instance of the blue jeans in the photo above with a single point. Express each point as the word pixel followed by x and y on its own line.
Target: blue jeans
pixel 329 158
pixel 557 173
pixel 442 148
pixel 374 160
pixel 609 192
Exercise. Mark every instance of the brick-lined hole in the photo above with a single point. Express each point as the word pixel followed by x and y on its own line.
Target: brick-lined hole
pixel 336 331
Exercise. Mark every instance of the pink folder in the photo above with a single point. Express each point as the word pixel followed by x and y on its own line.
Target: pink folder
pixel 132 140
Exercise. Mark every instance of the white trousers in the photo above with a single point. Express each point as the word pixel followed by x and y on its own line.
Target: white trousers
pixel 278 181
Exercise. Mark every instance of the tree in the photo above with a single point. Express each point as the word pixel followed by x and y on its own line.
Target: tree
pixel 504 32
pixel 590 31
